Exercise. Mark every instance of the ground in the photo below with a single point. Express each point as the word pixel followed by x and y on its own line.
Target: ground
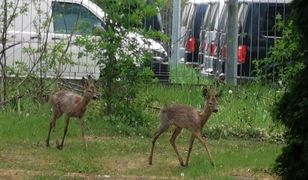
pixel 127 158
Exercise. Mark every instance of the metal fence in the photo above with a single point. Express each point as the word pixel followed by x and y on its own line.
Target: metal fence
pixel 204 39
pixel 202 43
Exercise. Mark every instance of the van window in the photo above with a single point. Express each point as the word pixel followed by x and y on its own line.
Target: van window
pixel 186 14
pixel 70 17
pixel 272 11
pixel 209 18
pixel 198 19
pixel 153 23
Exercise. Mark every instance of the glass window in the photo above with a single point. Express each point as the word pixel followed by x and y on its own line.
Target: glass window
pixel 269 25
pixel 70 17
pixel 201 9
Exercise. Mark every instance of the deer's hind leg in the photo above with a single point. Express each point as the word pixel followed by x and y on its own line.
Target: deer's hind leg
pixel 67 120
pixel 175 134
pixel 162 128
pixel 52 124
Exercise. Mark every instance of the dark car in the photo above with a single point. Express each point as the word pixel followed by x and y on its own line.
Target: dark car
pixel 160 65
pixel 257 32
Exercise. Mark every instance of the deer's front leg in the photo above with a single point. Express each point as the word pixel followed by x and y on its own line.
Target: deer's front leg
pixel 203 142
pixel 192 139
pixel 81 124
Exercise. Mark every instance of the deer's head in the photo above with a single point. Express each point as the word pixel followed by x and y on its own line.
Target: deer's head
pixel 211 99
pixel 89 88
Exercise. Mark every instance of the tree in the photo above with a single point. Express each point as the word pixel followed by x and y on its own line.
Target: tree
pixel 38 57
pixel 124 64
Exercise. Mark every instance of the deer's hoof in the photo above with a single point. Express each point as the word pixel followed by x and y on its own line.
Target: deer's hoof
pixel 150 160
pixel 59 147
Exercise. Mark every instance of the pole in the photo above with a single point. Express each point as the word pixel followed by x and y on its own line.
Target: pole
pixel 175 39
pixel 232 42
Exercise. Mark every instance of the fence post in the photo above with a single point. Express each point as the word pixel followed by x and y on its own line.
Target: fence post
pixel 232 42
pixel 175 42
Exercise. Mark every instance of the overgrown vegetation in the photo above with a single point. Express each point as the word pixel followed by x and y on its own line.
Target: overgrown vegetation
pixel 285 59
pixel 124 66
pixel 292 108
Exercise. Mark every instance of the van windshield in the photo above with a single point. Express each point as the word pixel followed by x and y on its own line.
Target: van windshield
pixel 70 17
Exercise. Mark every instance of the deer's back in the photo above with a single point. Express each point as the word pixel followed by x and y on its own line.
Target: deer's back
pixel 65 101
pixel 181 115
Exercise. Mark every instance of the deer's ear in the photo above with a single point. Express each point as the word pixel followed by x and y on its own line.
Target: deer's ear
pixel 84 81
pixel 89 77
pixel 204 92
pixel 219 93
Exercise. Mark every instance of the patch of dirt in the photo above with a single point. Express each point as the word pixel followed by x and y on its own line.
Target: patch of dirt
pixel 248 174
pixel 16 174
pixel 97 138
pixel 127 163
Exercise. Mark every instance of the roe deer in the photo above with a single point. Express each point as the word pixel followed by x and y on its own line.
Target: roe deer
pixel 184 116
pixel 72 105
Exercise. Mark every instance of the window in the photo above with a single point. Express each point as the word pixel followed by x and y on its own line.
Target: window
pixel 70 17
pixel 201 9
pixel 269 25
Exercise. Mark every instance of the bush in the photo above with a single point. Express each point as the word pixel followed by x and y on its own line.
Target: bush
pixel 292 110
pixel 285 59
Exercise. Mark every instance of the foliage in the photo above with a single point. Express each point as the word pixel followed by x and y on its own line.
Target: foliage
pixel 24 76
pixel 124 64
pixel 292 110
pixel 285 59
pixel 183 74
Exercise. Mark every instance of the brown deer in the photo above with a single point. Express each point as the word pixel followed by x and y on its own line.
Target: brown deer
pixel 72 105
pixel 184 116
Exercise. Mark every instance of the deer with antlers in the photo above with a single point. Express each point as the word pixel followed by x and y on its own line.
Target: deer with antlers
pixel 72 105
pixel 184 116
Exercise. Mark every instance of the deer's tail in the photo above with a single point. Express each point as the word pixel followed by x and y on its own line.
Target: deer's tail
pixel 154 107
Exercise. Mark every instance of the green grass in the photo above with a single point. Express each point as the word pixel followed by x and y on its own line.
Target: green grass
pixel 244 111
pixel 184 74
pixel 22 148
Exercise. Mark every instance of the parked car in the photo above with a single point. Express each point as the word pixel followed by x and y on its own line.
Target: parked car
pixel 256 33
pixel 192 18
pixel 208 33
pixel 24 32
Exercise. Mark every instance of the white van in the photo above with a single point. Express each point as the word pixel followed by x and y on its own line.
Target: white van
pixel 26 32
pixel 193 16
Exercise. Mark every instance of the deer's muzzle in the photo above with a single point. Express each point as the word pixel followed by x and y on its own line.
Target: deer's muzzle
pixel 95 96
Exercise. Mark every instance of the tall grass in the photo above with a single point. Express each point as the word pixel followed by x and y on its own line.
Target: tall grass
pixel 245 110
pixel 183 74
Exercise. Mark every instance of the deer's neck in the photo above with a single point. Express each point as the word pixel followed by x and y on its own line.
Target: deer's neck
pixel 85 101
pixel 205 115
